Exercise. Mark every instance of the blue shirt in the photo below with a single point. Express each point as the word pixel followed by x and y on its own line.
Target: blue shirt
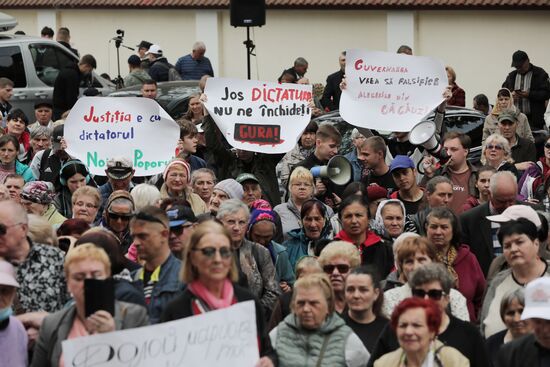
pixel 191 69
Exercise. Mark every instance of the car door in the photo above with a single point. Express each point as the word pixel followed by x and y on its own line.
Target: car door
pixel 13 68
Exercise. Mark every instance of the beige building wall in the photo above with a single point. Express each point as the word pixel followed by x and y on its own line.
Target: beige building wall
pixel 27 20
pixel 479 45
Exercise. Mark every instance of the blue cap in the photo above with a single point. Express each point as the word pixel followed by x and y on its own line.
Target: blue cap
pixel 179 215
pixel 400 162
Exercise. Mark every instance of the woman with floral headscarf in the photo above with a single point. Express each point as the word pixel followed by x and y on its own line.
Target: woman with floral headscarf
pixel 37 197
pixel 177 177
pixel 505 102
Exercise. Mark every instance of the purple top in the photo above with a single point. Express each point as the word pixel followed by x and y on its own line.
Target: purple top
pixel 13 344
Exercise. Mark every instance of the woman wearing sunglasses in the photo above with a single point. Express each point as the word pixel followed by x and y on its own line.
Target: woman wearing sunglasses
pixel 433 282
pixel 210 272
pixel 496 153
pixel 337 259
pixel 118 212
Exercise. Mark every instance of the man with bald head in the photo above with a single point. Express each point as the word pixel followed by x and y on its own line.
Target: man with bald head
pixel 194 65
pixel 39 266
pixel 480 233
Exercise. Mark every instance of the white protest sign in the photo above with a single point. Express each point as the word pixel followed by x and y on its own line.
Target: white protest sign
pixel 389 91
pixel 226 337
pixel 99 128
pixel 259 116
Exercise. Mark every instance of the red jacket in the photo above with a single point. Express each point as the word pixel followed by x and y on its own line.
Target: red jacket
pixel 471 281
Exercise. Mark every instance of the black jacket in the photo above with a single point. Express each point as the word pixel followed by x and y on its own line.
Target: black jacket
pixel 523 352
pixel 66 89
pixel 158 70
pixel 524 150
pixel 332 92
pixel 539 92
pixel 180 307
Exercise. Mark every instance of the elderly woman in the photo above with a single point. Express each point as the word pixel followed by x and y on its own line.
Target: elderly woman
pixel 253 260
pixel 413 253
pixel 177 176
pixel 119 210
pixel 9 164
pixel 73 175
pixel 315 226
pixel 364 299
pixel 203 181
pixel 354 215
pixel 211 273
pixel 145 195
pixel 432 281
pixel 41 231
pixel 511 308
pixel 505 102
pixel 41 138
pixel 13 337
pixel 86 201
pixel 83 262
pixel 416 323
pixel 301 187
pixel 313 334
pixel 337 259
pixel 261 229
pixel 303 148
pixel 305 266
pixel 390 219
pixel 496 153
pixel 520 247
pixel 443 231
pixel 37 197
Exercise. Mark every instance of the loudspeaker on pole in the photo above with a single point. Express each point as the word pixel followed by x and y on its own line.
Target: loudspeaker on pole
pixel 247 13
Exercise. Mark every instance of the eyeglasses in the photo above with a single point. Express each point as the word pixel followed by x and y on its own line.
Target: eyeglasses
pixel 149 218
pixel 178 230
pixel 434 294
pixel 496 147
pixel 4 228
pixel 342 268
pixel 210 252
pixel 87 205
pixel 123 217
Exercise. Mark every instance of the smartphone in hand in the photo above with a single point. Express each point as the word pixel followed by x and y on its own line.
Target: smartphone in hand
pixel 99 294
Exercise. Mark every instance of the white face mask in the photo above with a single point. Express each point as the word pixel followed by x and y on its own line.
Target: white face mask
pixel 5 313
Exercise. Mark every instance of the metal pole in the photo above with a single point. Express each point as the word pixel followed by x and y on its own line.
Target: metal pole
pixel 248 51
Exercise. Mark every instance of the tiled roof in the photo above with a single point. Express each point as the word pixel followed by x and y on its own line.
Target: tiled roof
pixel 317 4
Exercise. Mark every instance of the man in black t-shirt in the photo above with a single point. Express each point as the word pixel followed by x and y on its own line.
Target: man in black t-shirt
pixel 404 175
pixel 372 153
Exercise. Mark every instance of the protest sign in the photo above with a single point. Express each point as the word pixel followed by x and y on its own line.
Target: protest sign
pixel 226 337
pixel 137 128
pixel 259 116
pixel 388 91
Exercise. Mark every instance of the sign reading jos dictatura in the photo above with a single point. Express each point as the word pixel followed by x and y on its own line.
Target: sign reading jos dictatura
pixel 391 92
pixel 99 128
pixel 259 116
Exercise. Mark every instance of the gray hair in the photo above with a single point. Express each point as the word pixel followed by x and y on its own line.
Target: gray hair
pixel 497 139
pixel 495 178
pixel 200 171
pixel 232 206
pixel 199 45
pixel 17 211
pixel 122 201
pixel 510 296
pixel 300 61
pixel 41 231
pixel 41 131
pixel 355 133
pixel 145 195
pixel 431 185
pixel 434 272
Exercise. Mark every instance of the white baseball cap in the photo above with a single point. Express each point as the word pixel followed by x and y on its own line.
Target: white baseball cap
pixel 515 212
pixel 154 49
pixel 537 299
pixel 7 274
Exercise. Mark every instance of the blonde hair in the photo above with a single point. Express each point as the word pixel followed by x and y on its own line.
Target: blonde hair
pixel 340 249
pixel 87 252
pixel 87 191
pixel 497 139
pixel 307 262
pixel 451 71
pixel 319 280
pixel 189 272
pixel 41 231
pixel 300 173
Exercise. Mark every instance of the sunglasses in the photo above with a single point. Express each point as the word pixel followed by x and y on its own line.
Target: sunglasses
pixel 178 230
pixel 434 294
pixel 4 228
pixel 547 145
pixel 210 252
pixel 123 217
pixel 342 268
pixel 149 218
pixel 496 147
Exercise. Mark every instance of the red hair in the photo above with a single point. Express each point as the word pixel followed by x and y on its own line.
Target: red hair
pixel 432 311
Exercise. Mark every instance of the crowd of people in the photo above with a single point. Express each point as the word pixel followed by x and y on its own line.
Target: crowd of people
pixel 431 263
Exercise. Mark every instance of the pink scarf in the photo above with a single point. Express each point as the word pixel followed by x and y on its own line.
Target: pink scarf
pixel 215 303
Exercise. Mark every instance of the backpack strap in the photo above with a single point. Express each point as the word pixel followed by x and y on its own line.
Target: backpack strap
pixel 322 352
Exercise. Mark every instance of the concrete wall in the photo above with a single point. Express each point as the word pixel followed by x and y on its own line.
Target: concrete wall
pixel 478 44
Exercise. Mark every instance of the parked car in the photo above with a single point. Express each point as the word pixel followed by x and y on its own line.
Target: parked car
pixel 33 63
pixel 172 96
